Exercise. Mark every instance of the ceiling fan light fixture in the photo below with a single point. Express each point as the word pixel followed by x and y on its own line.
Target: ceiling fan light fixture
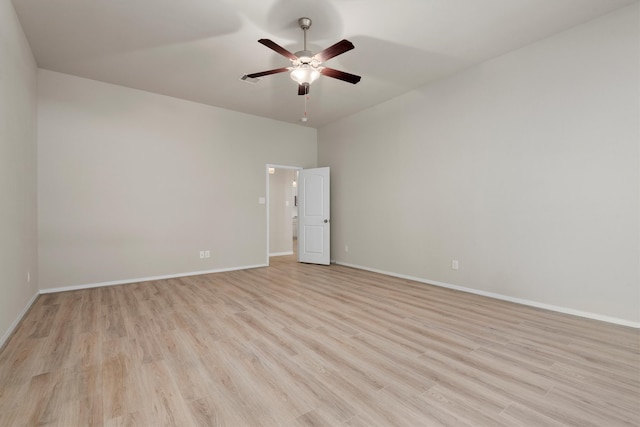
pixel 305 65
pixel 305 74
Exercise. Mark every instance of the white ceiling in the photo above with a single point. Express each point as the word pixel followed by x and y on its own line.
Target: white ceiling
pixel 198 49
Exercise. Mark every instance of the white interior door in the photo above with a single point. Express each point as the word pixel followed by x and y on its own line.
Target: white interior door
pixel 314 226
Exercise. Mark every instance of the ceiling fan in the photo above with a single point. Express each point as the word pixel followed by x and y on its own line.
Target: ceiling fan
pixel 305 65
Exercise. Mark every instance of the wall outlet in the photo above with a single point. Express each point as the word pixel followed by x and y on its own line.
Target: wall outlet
pixel 346 248
pixel 207 254
pixel 455 264
pixel 201 254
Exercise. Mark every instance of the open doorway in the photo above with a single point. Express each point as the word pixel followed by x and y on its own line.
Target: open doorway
pixel 282 210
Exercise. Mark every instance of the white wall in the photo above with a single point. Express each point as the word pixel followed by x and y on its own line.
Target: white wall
pixel 524 168
pixel 133 184
pixel 281 211
pixel 18 127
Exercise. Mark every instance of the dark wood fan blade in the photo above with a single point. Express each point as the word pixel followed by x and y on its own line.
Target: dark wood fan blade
pixel 303 89
pixel 341 47
pixel 340 75
pixel 266 73
pixel 276 47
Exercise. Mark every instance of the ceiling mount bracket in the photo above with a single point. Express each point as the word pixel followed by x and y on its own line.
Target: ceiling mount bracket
pixel 305 23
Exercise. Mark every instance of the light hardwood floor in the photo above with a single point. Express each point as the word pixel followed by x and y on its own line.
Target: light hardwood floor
pixel 304 345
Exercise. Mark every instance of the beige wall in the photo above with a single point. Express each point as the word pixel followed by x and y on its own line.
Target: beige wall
pixel 524 168
pixel 18 127
pixel 133 184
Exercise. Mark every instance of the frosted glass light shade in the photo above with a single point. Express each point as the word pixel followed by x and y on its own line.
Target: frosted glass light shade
pixel 305 74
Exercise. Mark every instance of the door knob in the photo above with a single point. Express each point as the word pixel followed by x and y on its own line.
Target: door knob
pixel 326 221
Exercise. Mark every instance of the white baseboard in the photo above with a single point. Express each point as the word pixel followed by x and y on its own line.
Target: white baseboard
pixel 146 279
pixel 536 304
pixel 16 322
pixel 281 253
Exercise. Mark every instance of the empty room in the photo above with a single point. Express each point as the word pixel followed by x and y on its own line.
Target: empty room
pixel 320 213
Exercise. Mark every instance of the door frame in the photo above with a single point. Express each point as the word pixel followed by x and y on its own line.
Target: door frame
pixel 268 197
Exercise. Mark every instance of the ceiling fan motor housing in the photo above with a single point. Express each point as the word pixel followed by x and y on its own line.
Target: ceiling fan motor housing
pixel 305 57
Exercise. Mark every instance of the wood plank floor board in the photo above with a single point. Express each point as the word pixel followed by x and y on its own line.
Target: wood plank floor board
pixel 374 361
pixel 595 407
pixel 329 363
pixel 469 377
pixel 518 415
pixel 603 389
pixel 423 412
pixel 544 377
pixel 305 345
pixel 306 386
pixel 462 408
pixel 562 353
pixel 368 320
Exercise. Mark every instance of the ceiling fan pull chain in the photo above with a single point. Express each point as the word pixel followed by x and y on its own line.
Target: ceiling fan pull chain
pixel 304 118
